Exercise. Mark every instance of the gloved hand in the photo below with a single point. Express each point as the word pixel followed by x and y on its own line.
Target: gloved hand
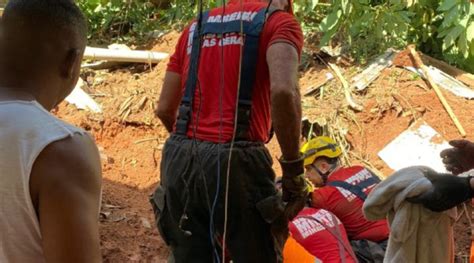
pixel 447 192
pixel 293 180
pixel 460 158
pixel 295 188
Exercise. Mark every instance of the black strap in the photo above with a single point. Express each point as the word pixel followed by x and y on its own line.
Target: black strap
pixel 356 189
pixel 248 73
pixel 185 110
pixel 251 30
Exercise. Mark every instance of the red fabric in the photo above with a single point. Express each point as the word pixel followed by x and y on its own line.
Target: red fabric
pixel 348 207
pixel 280 27
pixel 318 240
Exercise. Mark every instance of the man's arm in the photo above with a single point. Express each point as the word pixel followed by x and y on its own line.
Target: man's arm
pixel 170 99
pixel 282 59
pixel 447 191
pixel 65 187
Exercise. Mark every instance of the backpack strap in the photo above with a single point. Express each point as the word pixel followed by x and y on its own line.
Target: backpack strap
pixel 356 189
pixel 336 233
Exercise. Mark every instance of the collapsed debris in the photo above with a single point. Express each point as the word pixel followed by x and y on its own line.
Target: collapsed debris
pixel 82 100
pixel 312 89
pixel 432 83
pixel 347 90
pixel 371 73
pixel 425 145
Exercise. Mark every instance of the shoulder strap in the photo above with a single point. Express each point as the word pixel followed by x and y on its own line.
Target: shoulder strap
pixel 356 189
pixel 251 30
pixel 185 109
pixel 336 233
pixel 248 74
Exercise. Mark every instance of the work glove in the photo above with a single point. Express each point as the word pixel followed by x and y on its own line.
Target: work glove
pixel 295 187
pixel 447 192
pixel 460 158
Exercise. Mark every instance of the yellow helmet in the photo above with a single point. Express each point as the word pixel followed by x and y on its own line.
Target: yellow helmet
pixel 320 146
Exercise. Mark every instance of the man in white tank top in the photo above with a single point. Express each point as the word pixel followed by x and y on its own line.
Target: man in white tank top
pixel 50 174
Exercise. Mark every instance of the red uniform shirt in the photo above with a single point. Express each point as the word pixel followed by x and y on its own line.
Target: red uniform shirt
pixel 316 239
pixel 218 75
pixel 348 207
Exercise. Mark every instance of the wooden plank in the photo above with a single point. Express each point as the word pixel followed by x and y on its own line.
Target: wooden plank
pixel 459 74
pixel 136 56
pixel 431 82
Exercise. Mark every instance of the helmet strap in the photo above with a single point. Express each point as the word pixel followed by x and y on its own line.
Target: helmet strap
pixel 325 175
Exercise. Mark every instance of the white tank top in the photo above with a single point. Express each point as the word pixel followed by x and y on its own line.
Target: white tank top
pixel 26 128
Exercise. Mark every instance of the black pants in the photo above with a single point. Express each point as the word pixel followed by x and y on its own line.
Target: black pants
pixel 368 251
pixel 184 201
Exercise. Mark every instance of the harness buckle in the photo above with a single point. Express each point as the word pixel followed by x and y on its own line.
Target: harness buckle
pixel 183 118
pixel 243 119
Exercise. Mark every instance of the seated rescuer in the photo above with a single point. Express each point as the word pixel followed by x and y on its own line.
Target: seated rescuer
pixel 320 233
pixel 215 74
pixel 342 190
pixel 50 175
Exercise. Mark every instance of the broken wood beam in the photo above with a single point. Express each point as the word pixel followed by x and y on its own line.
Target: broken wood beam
pixel 347 89
pixel 459 74
pixel 135 56
pixel 419 64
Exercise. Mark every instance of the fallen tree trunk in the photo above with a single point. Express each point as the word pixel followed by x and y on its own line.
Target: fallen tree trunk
pixel 136 56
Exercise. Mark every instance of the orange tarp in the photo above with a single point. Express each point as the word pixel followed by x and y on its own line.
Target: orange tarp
pixel 295 253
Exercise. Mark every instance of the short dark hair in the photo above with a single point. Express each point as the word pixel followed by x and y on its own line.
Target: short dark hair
pixel 59 14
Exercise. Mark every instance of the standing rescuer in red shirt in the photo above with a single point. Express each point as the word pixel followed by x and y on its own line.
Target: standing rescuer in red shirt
pixel 343 190
pixel 233 75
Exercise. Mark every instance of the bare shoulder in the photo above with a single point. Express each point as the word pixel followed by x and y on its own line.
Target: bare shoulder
pixel 73 162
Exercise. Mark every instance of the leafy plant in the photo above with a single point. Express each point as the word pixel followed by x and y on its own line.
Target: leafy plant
pixel 129 20
pixel 135 20
pixel 442 28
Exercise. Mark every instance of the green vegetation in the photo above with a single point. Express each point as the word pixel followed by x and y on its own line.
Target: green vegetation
pixel 132 21
pixel 441 28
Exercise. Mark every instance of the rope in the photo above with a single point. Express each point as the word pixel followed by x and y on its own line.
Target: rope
pixel 226 200
pixel 216 196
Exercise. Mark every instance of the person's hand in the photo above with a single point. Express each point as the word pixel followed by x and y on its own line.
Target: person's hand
pixel 293 180
pixel 295 187
pixel 460 158
pixel 447 192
